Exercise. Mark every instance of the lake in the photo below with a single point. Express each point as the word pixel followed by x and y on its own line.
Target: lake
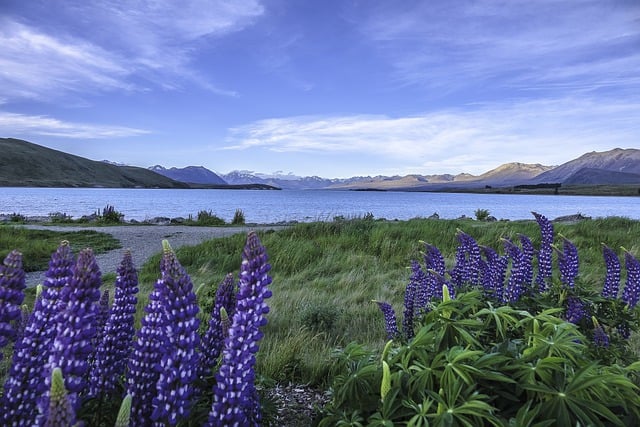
pixel 263 206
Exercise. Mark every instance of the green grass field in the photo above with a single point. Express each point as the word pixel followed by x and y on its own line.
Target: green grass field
pixel 326 274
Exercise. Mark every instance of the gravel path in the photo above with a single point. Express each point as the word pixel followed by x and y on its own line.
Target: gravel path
pixel 145 241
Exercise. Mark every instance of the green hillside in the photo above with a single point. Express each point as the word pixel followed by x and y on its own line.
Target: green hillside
pixel 24 164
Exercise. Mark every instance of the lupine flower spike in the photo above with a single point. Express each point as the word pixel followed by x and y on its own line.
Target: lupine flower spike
pixel 235 400
pixel 114 348
pixel 180 361
pixel 25 382
pixel 631 292
pixel 545 252
pixel 612 278
pixel 213 339
pixel 568 263
pixel 466 270
pixel 390 321
pixel 76 327
pixel 148 348
pixel 600 337
pixel 516 283
pixel 11 296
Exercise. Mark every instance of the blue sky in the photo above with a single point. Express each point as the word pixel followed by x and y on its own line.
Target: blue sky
pixel 329 88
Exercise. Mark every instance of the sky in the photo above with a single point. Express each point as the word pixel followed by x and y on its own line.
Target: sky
pixel 328 88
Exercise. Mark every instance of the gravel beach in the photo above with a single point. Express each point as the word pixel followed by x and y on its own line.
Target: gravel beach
pixel 144 241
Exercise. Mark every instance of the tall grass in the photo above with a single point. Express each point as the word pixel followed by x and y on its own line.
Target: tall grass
pixel 337 268
pixel 37 245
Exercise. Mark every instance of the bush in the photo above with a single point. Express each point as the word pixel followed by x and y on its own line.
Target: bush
pixel 208 218
pixel 238 218
pixel 110 215
pixel 482 214
pixel 490 343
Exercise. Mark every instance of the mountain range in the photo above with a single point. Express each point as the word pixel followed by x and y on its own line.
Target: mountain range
pixel 23 163
pixel 613 167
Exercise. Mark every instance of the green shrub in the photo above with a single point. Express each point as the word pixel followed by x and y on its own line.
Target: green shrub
pixel 482 214
pixel 483 343
pixel 208 218
pixel 110 215
pixel 473 364
pixel 238 217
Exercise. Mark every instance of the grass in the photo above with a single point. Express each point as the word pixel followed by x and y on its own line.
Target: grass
pixel 38 245
pixel 326 274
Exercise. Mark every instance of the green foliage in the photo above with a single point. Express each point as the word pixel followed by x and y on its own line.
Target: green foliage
pixel 482 214
pixel 110 215
pixel 208 218
pixel 238 218
pixel 472 364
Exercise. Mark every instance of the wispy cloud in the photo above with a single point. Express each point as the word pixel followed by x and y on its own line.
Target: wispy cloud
pixel 111 45
pixel 586 44
pixel 28 125
pixel 475 139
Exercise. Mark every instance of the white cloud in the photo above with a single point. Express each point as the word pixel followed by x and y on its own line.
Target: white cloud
pixel 105 45
pixel 20 124
pixel 35 65
pixel 451 45
pixel 475 140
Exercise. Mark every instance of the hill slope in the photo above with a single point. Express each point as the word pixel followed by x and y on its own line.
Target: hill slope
pixel 616 160
pixel 24 164
pixel 591 176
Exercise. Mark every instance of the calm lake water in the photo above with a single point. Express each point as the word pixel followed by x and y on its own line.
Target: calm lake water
pixel 260 206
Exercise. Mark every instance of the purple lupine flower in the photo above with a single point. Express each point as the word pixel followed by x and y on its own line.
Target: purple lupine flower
pixel 235 400
pixel 76 328
pixel 60 412
pixel 102 315
pixel 433 259
pixel 612 278
pixel 409 304
pixel 576 310
pixel 11 296
pixel 213 339
pixel 495 273
pixel 436 282
pixel 526 260
pixel 466 269
pixel 568 263
pixel 631 292
pixel 112 351
pixel 545 267
pixel 25 383
pixel 390 321
pixel 423 290
pixel 180 362
pixel 515 284
pixel 600 337
pixel 624 330
pixel 148 348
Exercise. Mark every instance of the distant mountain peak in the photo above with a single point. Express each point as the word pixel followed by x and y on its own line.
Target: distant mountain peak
pixel 190 174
